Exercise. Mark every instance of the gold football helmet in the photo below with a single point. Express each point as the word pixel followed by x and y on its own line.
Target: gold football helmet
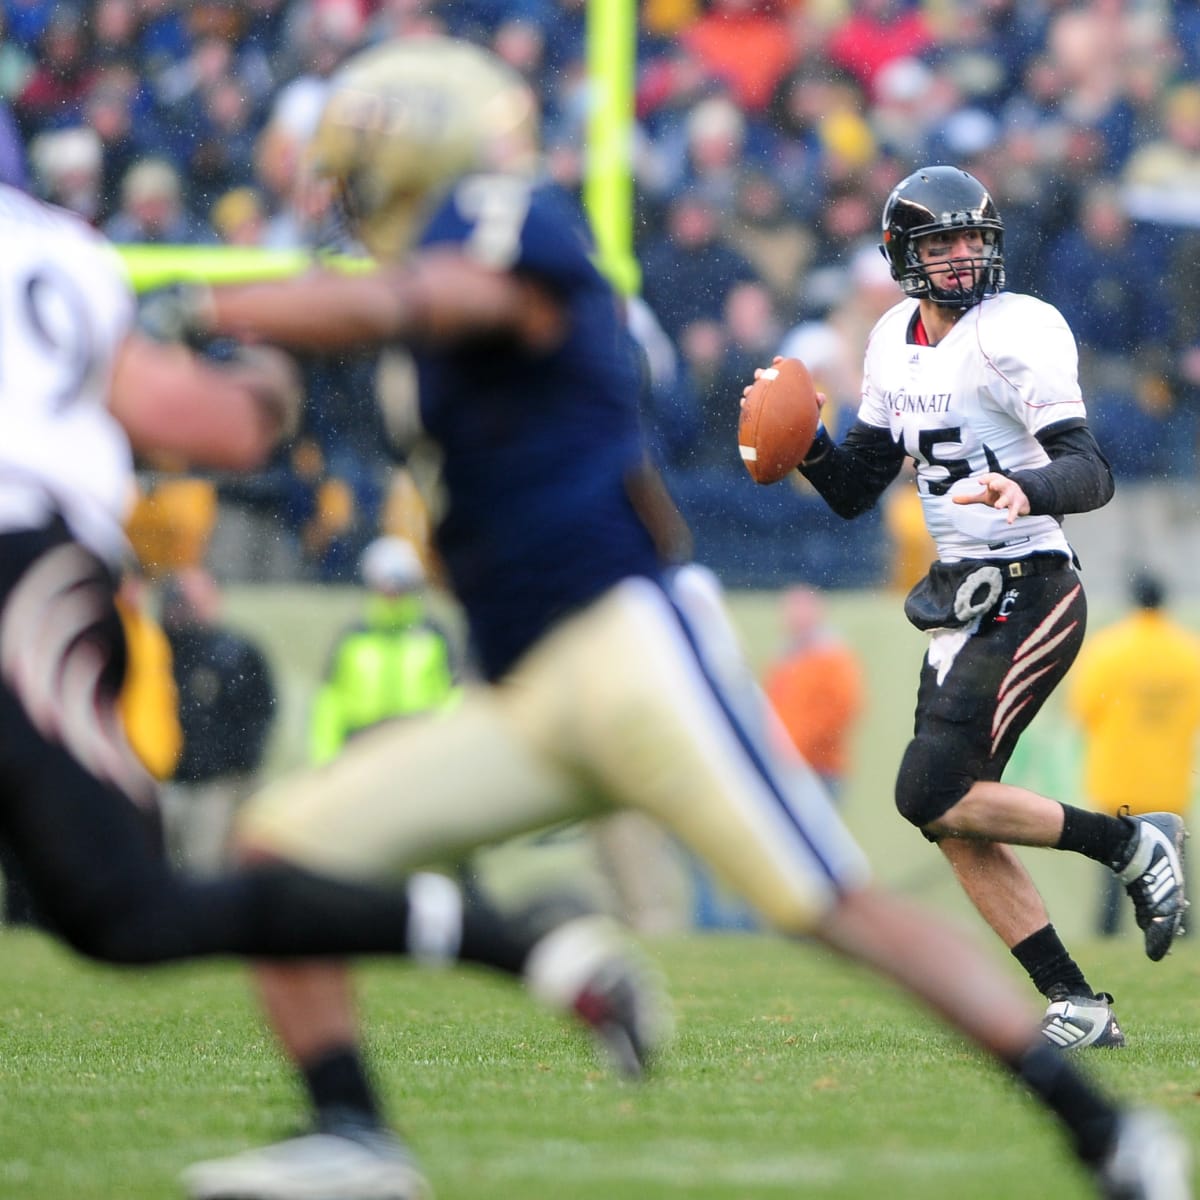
pixel 407 118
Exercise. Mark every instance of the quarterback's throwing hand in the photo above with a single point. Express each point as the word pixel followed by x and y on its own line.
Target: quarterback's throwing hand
pixel 822 398
pixel 758 374
pixel 997 491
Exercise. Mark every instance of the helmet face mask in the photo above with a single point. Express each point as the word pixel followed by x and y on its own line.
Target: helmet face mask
pixel 405 120
pixel 943 200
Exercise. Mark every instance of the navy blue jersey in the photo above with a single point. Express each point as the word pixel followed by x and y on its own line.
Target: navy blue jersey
pixel 539 448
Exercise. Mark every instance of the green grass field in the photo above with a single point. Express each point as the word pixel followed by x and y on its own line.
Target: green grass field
pixel 791 1076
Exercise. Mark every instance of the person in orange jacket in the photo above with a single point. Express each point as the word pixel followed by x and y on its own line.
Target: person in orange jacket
pixel 816 687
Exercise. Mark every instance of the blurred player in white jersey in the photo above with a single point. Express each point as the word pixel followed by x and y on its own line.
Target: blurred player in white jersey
pixel 612 676
pixel 980 387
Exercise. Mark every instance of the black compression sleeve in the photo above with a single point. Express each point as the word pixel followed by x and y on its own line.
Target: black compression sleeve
pixel 853 475
pixel 1077 478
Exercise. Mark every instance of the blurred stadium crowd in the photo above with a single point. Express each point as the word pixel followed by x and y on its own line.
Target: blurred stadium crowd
pixel 769 133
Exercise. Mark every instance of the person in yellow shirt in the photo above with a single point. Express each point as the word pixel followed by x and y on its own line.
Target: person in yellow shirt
pixel 149 700
pixel 1135 693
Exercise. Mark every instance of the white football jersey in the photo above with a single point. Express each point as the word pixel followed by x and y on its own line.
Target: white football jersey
pixel 973 404
pixel 65 307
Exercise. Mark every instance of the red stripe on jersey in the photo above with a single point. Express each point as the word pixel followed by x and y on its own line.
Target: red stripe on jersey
pixel 917 334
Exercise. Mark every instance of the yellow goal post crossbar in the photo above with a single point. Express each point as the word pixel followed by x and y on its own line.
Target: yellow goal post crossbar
pixel 156 266
pixel 607 186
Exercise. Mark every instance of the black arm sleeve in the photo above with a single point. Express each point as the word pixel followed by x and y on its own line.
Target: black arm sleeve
pixel 1077 478
pixel 853 475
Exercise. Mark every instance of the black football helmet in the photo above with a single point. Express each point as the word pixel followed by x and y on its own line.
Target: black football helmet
pixel 938 198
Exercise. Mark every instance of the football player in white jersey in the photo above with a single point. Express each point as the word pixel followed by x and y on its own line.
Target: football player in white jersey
pixel 612 677
pixel 979 387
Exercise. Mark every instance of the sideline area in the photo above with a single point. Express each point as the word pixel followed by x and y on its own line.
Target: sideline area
pixel 296 624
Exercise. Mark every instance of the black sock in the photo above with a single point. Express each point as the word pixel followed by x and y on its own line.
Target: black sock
pixel 338 1086
pixel 492 939
pixel 1086 1112
pixel 1095 835
pixel 504 940
pixel 1048 964
pixel 454 920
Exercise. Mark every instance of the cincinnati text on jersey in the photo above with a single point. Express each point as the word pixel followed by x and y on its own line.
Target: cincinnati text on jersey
pixel 903 401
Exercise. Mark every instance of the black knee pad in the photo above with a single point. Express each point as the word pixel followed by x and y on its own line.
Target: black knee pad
pixel 121 937
pixel 928 783
pixel 140 919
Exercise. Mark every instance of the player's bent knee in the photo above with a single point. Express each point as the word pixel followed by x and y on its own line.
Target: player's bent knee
pixel 927 786
pixel 110 941
pixel 130 927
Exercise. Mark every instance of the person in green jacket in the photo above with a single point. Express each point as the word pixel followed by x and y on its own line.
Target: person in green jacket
pixel 397 662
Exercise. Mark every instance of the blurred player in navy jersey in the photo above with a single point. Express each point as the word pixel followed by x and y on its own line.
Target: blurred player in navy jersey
pixel 980 387
pixel 612 675
pixel 81 391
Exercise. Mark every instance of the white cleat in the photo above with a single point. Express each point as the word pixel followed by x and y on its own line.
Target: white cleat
pixel 370 1165
pixel 1074 1022
pixel 1148 1160
pixel 1153 876
pixel 588 969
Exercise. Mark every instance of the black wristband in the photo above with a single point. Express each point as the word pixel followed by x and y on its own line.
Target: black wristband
pixel 821 446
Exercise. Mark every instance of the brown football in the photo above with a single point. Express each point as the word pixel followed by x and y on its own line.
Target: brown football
pixel 778 421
